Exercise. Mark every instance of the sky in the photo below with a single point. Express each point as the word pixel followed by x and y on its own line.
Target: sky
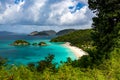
pixel 25 16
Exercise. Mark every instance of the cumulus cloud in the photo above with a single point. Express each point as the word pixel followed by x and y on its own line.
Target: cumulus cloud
pixel 45 12
pixel 61 14
pixel 22 12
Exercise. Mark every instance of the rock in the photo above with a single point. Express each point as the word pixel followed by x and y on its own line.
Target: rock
pixel 42 44
pixel 50 32
pixel 20 43
pixel 43 33
pixel 65 31
pixel 35 44
pixel 34 33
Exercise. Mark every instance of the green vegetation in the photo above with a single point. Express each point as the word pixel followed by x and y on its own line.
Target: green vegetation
pixel 79 38
pixel 69 70
pixel 42 44
pixel 2 62
pixel 106 26
pixel 102 63
pixel 20 43
pixel 35 44
pixel 25 43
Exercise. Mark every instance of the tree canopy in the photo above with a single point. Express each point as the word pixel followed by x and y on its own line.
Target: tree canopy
pixel 106 25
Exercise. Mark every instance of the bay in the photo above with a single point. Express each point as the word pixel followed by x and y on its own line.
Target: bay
pixel 32 54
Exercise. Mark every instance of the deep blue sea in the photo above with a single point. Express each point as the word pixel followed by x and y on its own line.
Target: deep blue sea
pixel 31 54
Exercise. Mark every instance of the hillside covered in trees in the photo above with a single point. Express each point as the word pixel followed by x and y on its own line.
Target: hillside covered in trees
pixel 79 38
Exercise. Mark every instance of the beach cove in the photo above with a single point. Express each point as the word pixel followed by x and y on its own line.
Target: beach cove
pixel 32 54
pixel 77 51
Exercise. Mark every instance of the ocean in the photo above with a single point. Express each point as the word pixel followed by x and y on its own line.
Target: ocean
pixel 32 54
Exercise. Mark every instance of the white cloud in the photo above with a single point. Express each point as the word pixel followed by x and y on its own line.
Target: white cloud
pixel 34 11
pixel 69 18
pixel 11 13
pixel 45 12
pixel 15 13
pixel 83 1
pixel 61 15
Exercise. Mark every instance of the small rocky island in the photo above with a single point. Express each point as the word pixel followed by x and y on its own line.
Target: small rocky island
pixel 34 44
pixel 25 43
pixel 42 44
pixel 39 44
pixel 20 43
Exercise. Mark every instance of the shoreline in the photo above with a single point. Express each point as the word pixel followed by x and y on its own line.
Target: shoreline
pixel 77 51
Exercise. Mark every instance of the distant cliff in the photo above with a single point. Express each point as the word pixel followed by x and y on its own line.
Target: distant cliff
pixel 43 33
pixel 65 31
pixel 51 32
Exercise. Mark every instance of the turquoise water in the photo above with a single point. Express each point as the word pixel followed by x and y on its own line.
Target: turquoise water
pixel 32 54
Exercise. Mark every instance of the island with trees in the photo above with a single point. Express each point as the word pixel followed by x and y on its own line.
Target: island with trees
pixel 20 43
pixel 42 44
pixel 26 43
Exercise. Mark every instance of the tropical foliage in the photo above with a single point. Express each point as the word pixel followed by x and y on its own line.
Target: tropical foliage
pixel 69 70
pixel 79 38
pixel 106 26
pixel 20 43
pixel 102 63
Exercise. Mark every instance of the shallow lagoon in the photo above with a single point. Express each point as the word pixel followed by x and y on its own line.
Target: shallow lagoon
pixel 27 54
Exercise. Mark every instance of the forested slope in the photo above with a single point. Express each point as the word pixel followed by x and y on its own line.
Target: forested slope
pixel 79 38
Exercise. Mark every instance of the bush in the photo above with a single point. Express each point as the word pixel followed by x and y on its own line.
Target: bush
pixel 2 62
pixel 47 63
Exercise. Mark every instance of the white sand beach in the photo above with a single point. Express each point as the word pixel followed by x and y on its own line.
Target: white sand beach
pixel 77 51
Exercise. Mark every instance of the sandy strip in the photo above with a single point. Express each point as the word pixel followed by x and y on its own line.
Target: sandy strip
pixel 77 51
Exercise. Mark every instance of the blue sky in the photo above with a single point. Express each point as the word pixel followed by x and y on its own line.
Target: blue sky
pixel 30 15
